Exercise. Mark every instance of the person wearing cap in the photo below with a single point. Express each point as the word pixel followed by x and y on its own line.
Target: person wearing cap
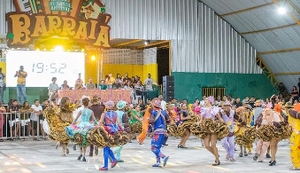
pixel 123 118
pixel 294 121
pixel 112 125
pixel 228 142
pixel 158 119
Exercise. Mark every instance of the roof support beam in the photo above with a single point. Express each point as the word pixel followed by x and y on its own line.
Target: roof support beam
pixel 280 51
pixel 289 13
pixel 247 9
pixel 285 74
pixel 269 29
pixel 127 43
pixel 153 44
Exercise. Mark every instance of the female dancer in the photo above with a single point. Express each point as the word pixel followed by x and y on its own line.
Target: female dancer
pixel 58 120
pixel 135 121
pixel 184 116
pixel 210 140
pixel 123 118
pixel 269 119
pixel 112 125
pixel 81 129
pixel 147 115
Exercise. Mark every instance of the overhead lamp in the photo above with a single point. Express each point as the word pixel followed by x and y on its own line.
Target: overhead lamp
pixel 93 58
pixel 281 10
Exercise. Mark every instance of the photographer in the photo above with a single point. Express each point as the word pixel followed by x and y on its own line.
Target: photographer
pixel 21 88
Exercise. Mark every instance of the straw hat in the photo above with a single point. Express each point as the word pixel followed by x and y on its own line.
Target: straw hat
pixel 257 102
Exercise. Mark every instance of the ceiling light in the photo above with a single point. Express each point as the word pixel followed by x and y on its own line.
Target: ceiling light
pixel 281 10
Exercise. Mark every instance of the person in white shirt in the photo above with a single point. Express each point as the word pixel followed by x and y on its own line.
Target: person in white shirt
pixel 148 82
pixel 53 89
pixel 162 103
pixel 34 117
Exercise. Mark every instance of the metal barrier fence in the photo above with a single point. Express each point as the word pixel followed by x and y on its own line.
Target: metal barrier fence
pixel 21 126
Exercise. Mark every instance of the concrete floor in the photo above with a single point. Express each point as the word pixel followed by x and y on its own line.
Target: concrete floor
pixel 41 157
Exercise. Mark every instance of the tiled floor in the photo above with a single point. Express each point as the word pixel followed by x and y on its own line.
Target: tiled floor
pixel 41 157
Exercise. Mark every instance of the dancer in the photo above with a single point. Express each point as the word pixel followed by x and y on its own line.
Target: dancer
pixel 239 129
pixel 58 120
pixel 294 121
pixel 141 137
pixel 184 116
pixel 267 134
pixel 158 119
pixel 210 117
pixel 79 132
pixel 136 121
pixel 228 142
pixel 123 118
pixel 112 125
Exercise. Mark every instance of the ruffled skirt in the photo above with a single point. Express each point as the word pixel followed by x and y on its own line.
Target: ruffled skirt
pixel 210 126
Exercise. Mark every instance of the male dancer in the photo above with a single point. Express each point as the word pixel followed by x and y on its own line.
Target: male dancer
pixel 228 142
pixel 158 119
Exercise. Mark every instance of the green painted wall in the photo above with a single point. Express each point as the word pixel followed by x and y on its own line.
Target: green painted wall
pixel 189 85
pixel 32 94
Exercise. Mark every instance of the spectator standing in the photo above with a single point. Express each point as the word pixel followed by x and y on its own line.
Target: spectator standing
pixel 36 113
pixel 148 83
pixel 53 90
pixel 2 85
pixel 252 102
pixel 282 89
pixel 295 93
pixel 25 119
pixel 65 86
pixel 45 104
pixel 90 85
pixel 21 84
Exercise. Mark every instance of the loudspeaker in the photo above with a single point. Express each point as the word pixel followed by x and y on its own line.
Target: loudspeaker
pixel 168 88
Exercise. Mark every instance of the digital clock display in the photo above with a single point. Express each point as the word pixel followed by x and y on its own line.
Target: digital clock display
pixel 42 66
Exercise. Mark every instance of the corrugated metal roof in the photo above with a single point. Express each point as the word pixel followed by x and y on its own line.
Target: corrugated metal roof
pixel 248 19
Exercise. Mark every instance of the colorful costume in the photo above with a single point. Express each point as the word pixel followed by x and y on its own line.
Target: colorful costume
pixel 123 118
pixel 158 119
pixel 136 125
pixel 294 121
pixel 210 124
pixel 143 135
pixel 79 132
pixel 228 141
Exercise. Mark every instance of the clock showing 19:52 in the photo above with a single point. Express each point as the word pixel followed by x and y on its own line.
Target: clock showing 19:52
pixel 50 68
